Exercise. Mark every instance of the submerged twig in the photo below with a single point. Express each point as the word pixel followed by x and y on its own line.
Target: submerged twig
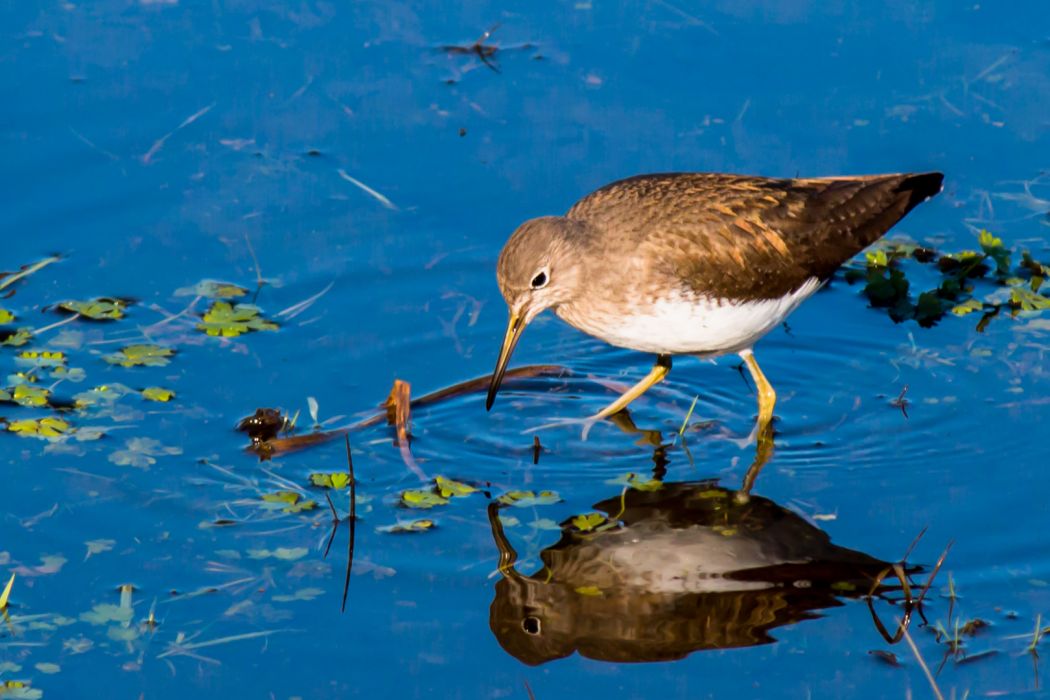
pixel 398 408
pixel 159 143
pixel 353 522
pixel 922 663
pixel 27 270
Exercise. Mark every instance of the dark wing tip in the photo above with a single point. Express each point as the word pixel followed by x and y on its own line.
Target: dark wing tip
pixel 921 187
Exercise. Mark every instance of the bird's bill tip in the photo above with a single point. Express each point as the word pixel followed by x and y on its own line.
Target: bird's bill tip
pixel 515 325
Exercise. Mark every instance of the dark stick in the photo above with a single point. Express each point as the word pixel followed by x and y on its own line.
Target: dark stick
pixel 353 522
pixel 335 524
pixel 536 448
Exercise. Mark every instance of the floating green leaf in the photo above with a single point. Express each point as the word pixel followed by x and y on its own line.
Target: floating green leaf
pixel 301 594
pixel 638 482
pixel 212 289
pixel 589 522
pixel 526 499
pixel 48 428
pixel 100 309
pixel 967 307
pixel 102 394
pixel 419 498
pixel 289 501
pixel 448 488
pixel 47 667
pixel 330 480
pixel 98 547
pixel 29 395
pixel 1027 300
pixel 994 249
pixel 411 526
pixel 41 358
pixel 284 553
pixel 231 321
pixel 106 613
pixel 156 393
pixel 140 355
pixel 6 316
pixel 17 690
pixel 16 338
pixel 141 453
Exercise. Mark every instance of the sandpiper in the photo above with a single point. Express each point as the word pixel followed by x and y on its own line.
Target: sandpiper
pixel 699 264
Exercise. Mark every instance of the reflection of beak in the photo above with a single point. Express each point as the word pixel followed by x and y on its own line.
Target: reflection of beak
pixel 515 326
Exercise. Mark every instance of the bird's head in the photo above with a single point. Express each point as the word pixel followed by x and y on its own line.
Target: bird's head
pixel 538 269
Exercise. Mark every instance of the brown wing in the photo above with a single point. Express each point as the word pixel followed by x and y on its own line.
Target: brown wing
pixel 750 237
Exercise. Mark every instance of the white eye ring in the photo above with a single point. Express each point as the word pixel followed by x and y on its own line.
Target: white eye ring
pixel 541 279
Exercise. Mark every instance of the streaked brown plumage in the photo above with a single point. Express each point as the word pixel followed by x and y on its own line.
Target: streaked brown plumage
pixel 695 263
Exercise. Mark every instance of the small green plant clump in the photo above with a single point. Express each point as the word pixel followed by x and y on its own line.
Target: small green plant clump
pixel 1013 286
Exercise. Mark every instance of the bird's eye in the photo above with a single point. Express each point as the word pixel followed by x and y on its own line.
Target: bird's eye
pixel 531 625
pixel 540 280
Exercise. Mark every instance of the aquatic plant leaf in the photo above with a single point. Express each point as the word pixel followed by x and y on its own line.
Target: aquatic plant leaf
pixel 212 289
pixel 290 501
pixel 588 522
pixel 526 499
pixel 1027 300
pixel 993 247
pixel 106 613
pixel 419 498
pixel 638 482
pixel 16 338
pixel 301 594
pixel 29 395
pixel 140 355
pixel 98 547
pixel 876 258
pixel 421 525
pixel 100 309
pixel 283 553
pixel 331 480
pixel 47 667
pixel 967 307
pixel 69 374
pixel 593 591
pixel 886 287
pixel 17 690
pixel 41 358
pixel 47 428
pixel 141 453
pixel 156 393
pixel 6 316
pixel 102 394
pixel 449 488
pixel 928 309
pixel 230 321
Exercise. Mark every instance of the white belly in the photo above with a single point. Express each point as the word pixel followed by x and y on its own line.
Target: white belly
pixel 683 324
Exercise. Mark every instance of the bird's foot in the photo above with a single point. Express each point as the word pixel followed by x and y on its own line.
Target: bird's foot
pixel 585 423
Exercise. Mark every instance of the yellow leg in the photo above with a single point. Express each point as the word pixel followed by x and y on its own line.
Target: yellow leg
pixel 766 396
pixel 656 374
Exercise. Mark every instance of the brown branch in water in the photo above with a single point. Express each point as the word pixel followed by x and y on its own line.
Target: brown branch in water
pixel 536 449
pixel 478 384
pixel 933 574
pixel 335 524
pixel 398 411
pixel 353 521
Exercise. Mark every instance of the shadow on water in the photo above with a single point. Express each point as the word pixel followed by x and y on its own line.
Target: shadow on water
pixel 674 568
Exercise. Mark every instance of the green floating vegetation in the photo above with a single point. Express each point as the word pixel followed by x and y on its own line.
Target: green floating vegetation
pixel 6 316
pixel 409 527
pixel 212 289
pixel 156 393
pixel 448 488
pixel 100 309
pixel 524 499
pixel 888 287
pixel 17 690
pixel 144 355
pixel 16 338
pixel 289 501
pixel 330 480
pixel 229 320
pixel 638 482
pixel 41 358
pixel 589 522
pixel 422 498
pixel 45 428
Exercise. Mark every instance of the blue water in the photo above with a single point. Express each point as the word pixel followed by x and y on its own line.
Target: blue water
pixel 281 106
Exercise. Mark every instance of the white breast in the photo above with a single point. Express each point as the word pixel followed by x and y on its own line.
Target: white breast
pixel 694 325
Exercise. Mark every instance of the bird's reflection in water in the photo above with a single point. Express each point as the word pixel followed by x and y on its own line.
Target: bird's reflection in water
pixel 679 568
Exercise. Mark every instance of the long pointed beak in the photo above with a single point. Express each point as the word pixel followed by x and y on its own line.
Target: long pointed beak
pixel 515 326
